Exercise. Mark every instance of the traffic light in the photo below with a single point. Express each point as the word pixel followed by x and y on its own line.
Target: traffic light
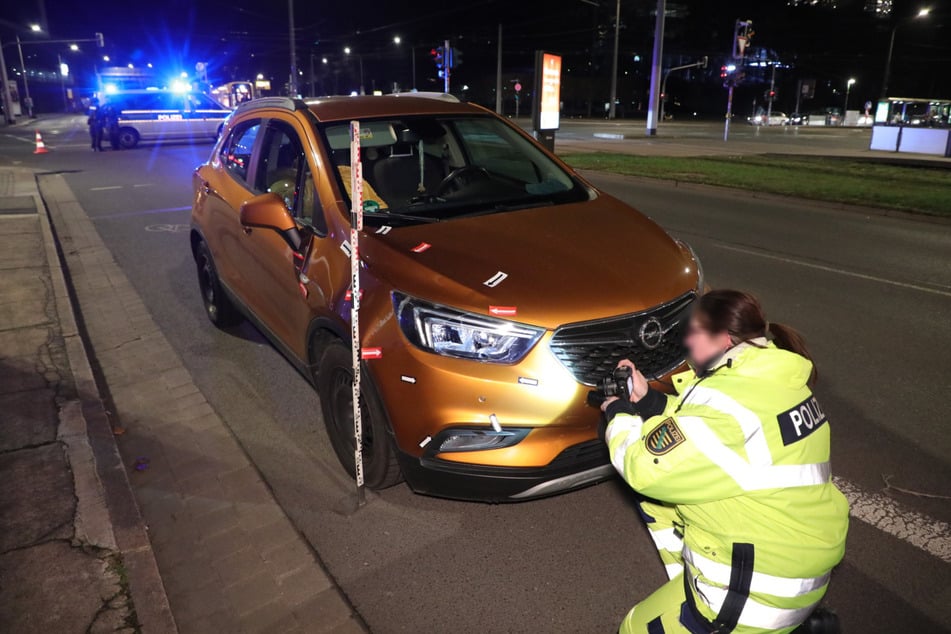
pixel 100 40
pixel 439 57
pixel 455 57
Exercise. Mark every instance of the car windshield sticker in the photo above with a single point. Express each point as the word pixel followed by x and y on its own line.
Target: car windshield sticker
pixel 664 438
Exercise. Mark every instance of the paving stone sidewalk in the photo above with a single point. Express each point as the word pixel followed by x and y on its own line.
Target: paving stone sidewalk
pixel 230 558
pixel 64 566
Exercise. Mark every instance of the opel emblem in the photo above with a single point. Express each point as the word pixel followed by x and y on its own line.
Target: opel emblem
pixel 651 333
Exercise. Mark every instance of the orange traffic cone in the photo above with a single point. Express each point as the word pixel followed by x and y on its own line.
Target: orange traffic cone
pixel 40 146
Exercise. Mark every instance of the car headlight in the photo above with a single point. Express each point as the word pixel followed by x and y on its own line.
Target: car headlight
pixel 455 333
pixel 696 259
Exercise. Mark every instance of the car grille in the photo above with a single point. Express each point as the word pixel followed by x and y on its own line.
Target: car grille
pixel 591 350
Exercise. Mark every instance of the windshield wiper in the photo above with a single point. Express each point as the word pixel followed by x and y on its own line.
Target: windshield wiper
pixel 514 206
pixel 383 215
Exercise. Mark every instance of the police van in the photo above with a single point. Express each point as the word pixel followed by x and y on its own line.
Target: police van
pixel 159 115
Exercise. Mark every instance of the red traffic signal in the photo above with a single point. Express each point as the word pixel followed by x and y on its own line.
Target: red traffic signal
pixel 439 57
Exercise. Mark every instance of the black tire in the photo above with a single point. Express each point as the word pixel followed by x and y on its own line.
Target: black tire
pixel 334 386
pixel 128 138
pixel 221 312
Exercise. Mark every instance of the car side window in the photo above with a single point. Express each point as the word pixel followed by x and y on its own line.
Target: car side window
pixel 281 165
pixel 236 150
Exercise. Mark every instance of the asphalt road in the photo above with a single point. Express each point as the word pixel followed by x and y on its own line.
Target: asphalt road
pixel 872 294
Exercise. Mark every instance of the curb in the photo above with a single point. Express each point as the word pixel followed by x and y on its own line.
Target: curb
pixel 749 193
pixel 131 538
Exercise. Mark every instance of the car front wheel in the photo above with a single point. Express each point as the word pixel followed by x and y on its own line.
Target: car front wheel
pixel 221 312
pixel 128 138
pixel 334 386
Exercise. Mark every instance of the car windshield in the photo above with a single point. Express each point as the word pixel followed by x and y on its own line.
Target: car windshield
pixel 418 169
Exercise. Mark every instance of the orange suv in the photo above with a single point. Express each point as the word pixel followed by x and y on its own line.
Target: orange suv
pixel 498 285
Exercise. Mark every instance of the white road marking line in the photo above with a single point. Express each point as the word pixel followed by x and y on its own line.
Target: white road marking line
pixel 885 514
pixel 832 269
pixel 143 185
pixel 102 189
pixel 18 138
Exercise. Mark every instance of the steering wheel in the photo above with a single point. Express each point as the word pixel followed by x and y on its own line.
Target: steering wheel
pixel 461 177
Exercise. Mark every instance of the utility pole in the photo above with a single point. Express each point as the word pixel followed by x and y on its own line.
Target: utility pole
pixel 413 59
pixel 612 109
pixel 740 42
pixel 656 65
pixel 5 90
pixel 498 76
pixel 772 89
pixel 62 82
pixel 448 70
pixel 292 84
pixel 26 83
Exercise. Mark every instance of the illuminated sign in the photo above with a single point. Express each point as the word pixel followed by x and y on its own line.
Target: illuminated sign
pixel 547 90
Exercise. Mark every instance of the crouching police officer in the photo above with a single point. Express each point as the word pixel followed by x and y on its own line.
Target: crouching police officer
pixel 733 478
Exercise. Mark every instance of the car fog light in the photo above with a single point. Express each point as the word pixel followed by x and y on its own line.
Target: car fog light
pixel 479 440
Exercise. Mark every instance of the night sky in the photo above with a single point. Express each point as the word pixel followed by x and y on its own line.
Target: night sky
pixel 239 39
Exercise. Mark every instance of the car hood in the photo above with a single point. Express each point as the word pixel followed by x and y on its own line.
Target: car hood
pixel 559 264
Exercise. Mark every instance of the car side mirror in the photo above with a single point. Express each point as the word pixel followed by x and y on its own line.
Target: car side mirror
pixel 267 211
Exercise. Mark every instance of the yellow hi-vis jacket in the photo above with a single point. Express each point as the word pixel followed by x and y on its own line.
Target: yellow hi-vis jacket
pixel 742 454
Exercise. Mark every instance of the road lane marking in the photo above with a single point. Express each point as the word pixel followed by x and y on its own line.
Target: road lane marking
pixel 179 228
pixel 143 185
pixel 885 514
pixel 19 138
pixel 125 214
pixel 104 188
pixel 832 269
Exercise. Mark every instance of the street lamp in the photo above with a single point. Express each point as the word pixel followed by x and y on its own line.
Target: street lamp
pixel 922 13
pixel 105 58
pixel 397 39
pixel 36 28
pixel 848 89
pixel 74 47
pixel 347 51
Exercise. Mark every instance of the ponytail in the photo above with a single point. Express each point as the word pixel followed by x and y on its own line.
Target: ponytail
pixel 787 338
pixel 741 315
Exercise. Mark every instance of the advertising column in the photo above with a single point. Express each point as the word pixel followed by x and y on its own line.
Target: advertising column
pixel 547 98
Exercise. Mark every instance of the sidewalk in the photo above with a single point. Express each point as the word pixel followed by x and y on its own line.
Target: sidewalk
pixel 230 559
pixel 66 565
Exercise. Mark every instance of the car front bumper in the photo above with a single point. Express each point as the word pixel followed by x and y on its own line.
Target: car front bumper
pixel 577 466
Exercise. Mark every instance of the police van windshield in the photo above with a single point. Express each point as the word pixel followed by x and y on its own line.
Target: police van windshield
pixel 444 167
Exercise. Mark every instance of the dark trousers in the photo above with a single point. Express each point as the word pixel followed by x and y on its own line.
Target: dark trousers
pixel 95 135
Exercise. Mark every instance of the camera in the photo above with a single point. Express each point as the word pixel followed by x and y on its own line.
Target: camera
pixel 617 384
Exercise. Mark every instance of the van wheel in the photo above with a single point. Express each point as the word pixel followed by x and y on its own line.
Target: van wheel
pixel 334 386
pixel 128 138
pixel 221 312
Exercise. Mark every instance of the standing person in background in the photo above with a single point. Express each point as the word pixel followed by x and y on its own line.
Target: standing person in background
pixel 94 121
pixel 111 125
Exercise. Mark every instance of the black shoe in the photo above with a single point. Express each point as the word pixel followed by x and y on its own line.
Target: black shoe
pixel 822 621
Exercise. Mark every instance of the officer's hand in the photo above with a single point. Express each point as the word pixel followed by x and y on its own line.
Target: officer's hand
pixel 640 383
pixel 606 402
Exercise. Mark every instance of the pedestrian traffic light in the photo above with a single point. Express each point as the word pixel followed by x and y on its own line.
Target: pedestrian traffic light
pixel 438 55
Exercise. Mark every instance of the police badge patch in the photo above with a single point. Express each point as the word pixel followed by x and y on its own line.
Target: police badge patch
pixel 664 438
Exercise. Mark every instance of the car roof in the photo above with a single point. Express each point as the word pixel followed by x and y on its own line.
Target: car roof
pixel 328 109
